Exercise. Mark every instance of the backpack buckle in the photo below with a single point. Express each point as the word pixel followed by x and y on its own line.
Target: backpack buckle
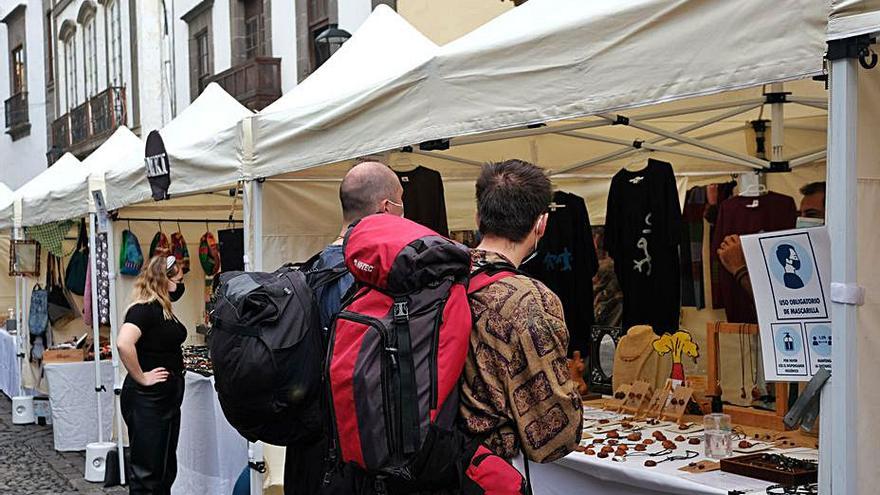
pixel 401 311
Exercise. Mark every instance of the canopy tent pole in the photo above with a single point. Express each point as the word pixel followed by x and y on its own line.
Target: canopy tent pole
pixel 451 158
pixel 659 139
pixel 838 446
pixel 114 332
pixel 809 102
pixel 253 261
pixel 777 124
pixel 20 287
pixel 685 139
pixel 807 158
pixel 96 330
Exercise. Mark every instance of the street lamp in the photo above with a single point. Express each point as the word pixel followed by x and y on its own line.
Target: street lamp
pixel 328 41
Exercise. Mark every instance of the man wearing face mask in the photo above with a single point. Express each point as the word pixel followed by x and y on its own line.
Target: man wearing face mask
pixel 368 188
pixel 812 214
pixel 516 390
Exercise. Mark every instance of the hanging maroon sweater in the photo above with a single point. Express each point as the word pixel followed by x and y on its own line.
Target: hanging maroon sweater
pixel 735 216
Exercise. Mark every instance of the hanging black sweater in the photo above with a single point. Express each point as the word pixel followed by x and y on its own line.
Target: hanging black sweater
pixel 566 262
pixel 642 234
pixel 423 200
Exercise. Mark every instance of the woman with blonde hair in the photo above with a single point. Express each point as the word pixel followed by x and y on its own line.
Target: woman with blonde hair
pixel 149 346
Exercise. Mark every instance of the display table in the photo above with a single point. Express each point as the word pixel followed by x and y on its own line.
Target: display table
pixel 74 402
pixel 210 453
pixel 10 373
pixel 580 473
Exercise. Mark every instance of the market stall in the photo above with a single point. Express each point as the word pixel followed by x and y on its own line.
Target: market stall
pixel 10 367
pixel 634 89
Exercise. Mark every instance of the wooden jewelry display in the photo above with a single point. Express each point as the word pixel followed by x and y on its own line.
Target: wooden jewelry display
pixel 746 416
pixel 677 405
pixel 615 403
pixel 637 398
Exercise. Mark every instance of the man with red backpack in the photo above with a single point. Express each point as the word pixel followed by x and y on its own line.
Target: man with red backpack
pixel 516 388
pixel 445 363
pixel 368 188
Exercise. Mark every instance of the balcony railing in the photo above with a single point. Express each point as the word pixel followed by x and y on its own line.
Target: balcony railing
pixel 17 114
pixel 87 125
pixel 255 83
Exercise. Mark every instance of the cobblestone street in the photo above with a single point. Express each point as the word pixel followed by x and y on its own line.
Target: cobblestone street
pixel 30 465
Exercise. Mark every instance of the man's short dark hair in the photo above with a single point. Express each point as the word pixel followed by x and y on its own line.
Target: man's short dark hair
pixel 813 188
pixel 364 187
pixel 511 195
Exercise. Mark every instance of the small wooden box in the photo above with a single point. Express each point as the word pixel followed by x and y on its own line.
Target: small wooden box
pixel 751 465
pixel 64 355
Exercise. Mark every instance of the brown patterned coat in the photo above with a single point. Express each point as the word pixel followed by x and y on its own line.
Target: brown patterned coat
pixel 516 387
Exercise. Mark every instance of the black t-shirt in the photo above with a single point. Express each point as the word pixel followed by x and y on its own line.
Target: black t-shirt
pixel 159 345
pixel 642 233
pixel 566 262
pixel 423 199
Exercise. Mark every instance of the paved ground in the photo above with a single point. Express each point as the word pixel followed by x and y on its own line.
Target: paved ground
pixel 30 465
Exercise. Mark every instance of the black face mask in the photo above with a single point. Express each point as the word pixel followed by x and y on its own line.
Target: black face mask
pixel 178 292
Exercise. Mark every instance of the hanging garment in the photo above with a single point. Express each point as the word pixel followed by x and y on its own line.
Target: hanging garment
pixel 692 289
pixel 423 198
pixel 160 246
pixel 38 322
pixel 737 215
pixel 209 254
pixel 75 276
pixel 231 249
pixel 51 236
pixel 566 262
pixel 131 258
pixel 642 235
pixel 180 251
pixel 59 305
pixel 723 191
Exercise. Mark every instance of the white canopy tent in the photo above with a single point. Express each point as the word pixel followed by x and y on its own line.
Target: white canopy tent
pixel 201 144
pixel 848 18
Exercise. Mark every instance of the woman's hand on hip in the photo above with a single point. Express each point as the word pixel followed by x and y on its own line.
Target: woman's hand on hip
pixel 154 376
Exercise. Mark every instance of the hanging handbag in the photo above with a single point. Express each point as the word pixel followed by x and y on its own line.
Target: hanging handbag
pixel 58 305
pixel 131 258
pixel 38 322
pixel 75 276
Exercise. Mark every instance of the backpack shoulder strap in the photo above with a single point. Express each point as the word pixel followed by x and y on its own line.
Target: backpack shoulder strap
pixel 490 273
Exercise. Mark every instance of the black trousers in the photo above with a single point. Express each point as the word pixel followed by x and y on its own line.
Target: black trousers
pixel 153 418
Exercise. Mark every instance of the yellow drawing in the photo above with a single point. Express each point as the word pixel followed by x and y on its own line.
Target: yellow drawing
pixel 678 344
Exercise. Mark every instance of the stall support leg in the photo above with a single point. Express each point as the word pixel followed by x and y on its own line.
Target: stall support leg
pixel 114 330
pixel 96 332
pixel 838 445
pixel 253 261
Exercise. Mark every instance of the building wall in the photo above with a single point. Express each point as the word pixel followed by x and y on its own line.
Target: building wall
pixel 448 20
pixel 24 158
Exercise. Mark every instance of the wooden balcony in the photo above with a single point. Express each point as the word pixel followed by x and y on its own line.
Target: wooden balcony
pixel 17 122
pixel 87 126
pixel 255 83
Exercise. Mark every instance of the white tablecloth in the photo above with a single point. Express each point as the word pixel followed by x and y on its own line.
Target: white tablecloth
pixel 10 373
pixel 74 403
pixel 589 475
pixel 210 453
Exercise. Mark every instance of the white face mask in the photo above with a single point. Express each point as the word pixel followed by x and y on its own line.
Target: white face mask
pixel 806 222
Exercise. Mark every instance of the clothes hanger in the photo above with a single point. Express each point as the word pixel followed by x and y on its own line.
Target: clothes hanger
pixel 403 162
pixel 637 162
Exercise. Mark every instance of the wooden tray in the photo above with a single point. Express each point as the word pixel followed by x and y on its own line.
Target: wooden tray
pixel 751 465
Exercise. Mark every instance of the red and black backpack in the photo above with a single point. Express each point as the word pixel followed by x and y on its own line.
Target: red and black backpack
pixel 396 353
pixel 398 346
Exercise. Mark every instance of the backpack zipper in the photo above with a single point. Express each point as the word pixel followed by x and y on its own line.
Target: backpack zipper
pixel 435 349
pixel 389 367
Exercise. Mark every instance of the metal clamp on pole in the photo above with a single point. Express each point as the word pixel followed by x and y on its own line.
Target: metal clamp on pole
pixel 858 47
pixel 851 294
pixel 259 467
pixel 101 389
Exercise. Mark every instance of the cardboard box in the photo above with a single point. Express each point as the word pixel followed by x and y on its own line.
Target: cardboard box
pixel 64 355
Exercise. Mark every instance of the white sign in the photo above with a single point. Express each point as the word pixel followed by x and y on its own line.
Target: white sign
pixel 790 272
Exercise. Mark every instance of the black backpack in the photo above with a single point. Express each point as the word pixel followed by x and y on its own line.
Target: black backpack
pixel 267 350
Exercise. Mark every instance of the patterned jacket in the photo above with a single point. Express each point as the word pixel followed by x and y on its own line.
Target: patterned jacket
pixel 516 386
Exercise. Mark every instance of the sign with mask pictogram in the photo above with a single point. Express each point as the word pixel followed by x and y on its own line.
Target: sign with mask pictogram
pixel 158 167
pixel 790 272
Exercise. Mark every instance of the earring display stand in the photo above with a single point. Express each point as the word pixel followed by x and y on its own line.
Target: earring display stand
pixel 738 414
pixel 677 404
pixel 615 403
pixel 659 400
pixel 638 396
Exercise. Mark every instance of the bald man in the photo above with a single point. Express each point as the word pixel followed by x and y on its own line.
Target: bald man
pixel 368 188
